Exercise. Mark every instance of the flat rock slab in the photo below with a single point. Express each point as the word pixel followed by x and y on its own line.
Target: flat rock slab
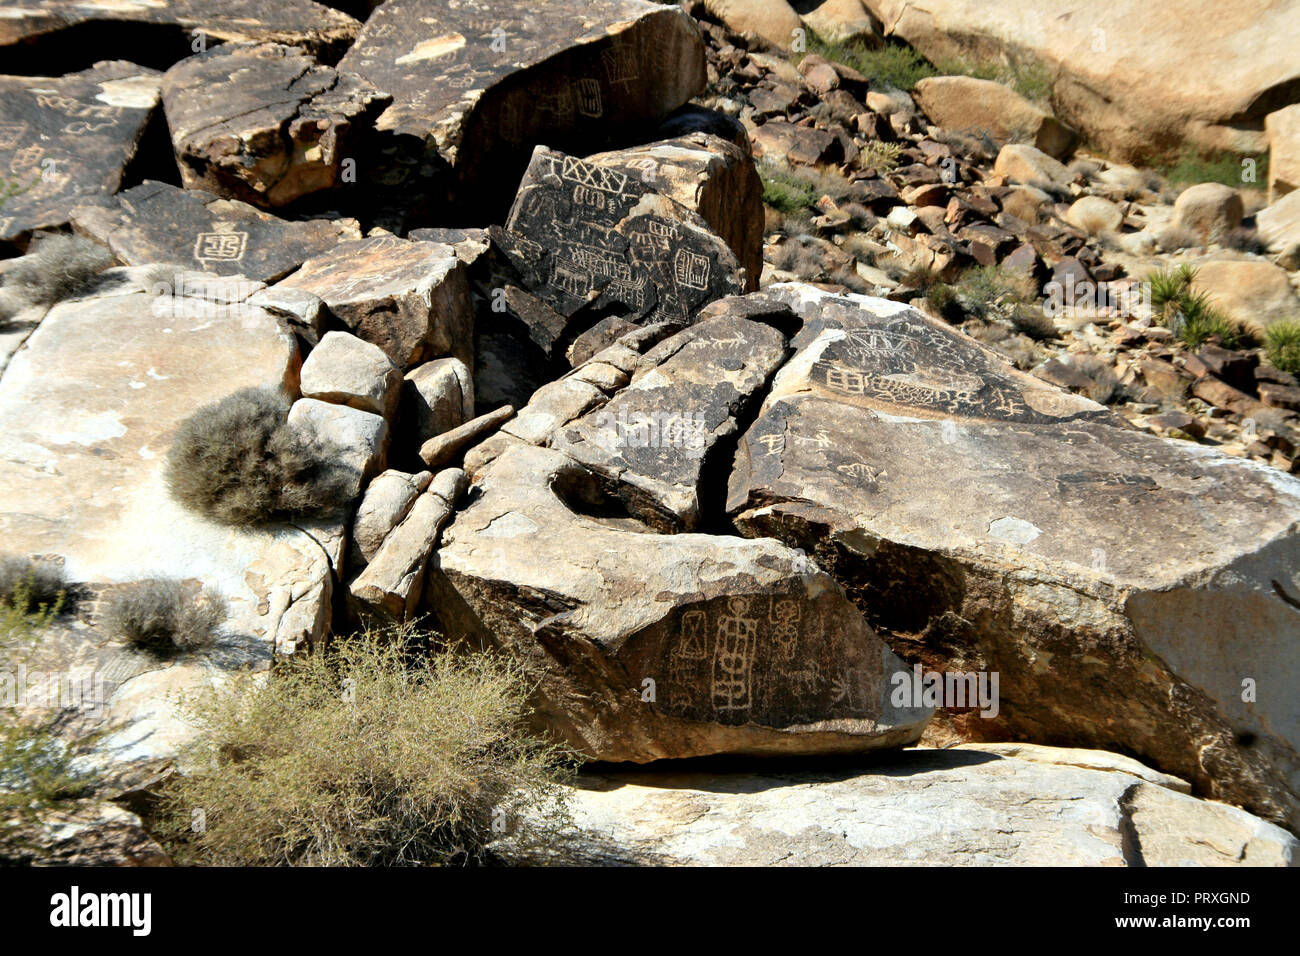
pixel 647 646
pixel 914 808
pixel 409 298
pixel 27 30
pixel 265 123
pixel 67 140
pixel 1126 588
pixel 484 82
pixel 155 222
pixel 89 408
pixel 652 443
pixel 590 236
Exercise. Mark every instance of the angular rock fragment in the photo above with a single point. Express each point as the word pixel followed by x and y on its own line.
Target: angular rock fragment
pixel 386 502
pixel 356 440
pixel 1123 586
pixel 68 140
pixel 409 298
pixel 265 123
pixel 965 104
pixel 482 85
pixel 737 646
pixel 653 443
pixel 443 448
pixel 155 222
pixel 437 397
pixel 345 370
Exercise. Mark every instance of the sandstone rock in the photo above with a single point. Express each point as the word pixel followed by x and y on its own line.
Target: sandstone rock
pixel 840 21
pixel 773 20
pixel 439 450
pixel 709 176
pixel 1209 210
pixel 842 460
pixel 1025 164
pixel 387 501
pixel 391 584
pixel 166 30
pixel 345 370
pixel 1137 93
pixel 745 647
pixel 68 140
pixel 784 143
pixel 653 443
pixel 965 104
pixel 551 406
pixel 1283 151
pixel 83 452
pixel 409 298
pixel 359 439
pixel 264 123
pixel 90 833
pixel 482 85
pixel 590 237
pixel 155 222
pixel 1279 224
pixel 1094 215
pixel 438 396
pixel 915 808
pixel 1252 292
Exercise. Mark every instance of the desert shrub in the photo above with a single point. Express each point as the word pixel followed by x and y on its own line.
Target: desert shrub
pixel 60 268
pixel 238 461
pixel 36 768
pixel 1242 239
pixel 995 294
pixel 383 750
pixel 1190 315
pixel 785 191
pixel 1168 286
pixel 32 595
pixel 1193 167
pixel 942 301
pixel 879 157
pixel 163 615
pixel 1282 345
pixel 891 64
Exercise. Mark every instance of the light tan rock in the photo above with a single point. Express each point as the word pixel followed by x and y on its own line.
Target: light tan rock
pixel 841 21
pixel 773 20
pixel 346 370
pixel 1252 292
pixel 359 440
pixel 1094 215
pixel 1026 164
pixel 1208 210
pixel 968 105
pixel 438 396
pixel 1283 151
pixel 386 502
pixel 1279 223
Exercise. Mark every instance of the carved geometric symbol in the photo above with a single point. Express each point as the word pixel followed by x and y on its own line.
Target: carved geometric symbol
pixel 599 177
pixel 588 91
pixel 220 246
pixel 691 269
pixel 733 661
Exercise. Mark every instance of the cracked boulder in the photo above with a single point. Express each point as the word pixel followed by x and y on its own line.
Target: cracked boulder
pixel 656 442
pixel 155 222
pixel 1134 594
pixel 68 140
pixel 480 85
pixel 409 298
pixel 265 123
pixel 85 433
pixel 646 646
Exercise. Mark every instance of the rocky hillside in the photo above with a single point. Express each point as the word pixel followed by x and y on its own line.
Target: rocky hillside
pixel 760 380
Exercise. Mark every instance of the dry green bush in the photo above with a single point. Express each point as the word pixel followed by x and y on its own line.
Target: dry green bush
pixel 163 615
pixel 238 461
pixel 61 267
pixel 384 750
pixel 1282 345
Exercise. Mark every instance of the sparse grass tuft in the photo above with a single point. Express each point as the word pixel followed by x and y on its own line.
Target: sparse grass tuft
pixel 784 191
pixel 238 461
pixel 32 595
pixel 1002 295
pixel 879 157
pixel 163 616
pixel 1189 314
pixel 892 64
pixel 1194 167
pixel 61 267
pixel 384 750
pixel 1032 81
pixel 1282 345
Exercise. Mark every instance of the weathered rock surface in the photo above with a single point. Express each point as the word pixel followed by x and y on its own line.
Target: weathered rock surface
pixel 387 501
pixel 483 84
pixel 68 140
pixel 1283 151
pixel 265 123
pixel 155 222
pixel 346 370
pixel 840 21
pixel 83 451
pixel 655 441
pixel 589 237
pixel 1279 224
pixel 409 298
pixel 1026 164
pixel 90 833
pixel 742 647
pixel 986 521
pixel 358 440
pixel 773 20
pixel 1138 93
pixel 437 397
pixel 914 808
pixel 29 33
pixel 965 104
pixel 1208 210
pixel 1252 292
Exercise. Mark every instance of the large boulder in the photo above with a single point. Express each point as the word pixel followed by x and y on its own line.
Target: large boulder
pixel 1137 89
pixel 265 123
pixel 155 222
pixel 482 85
pixel 645 646
pixel 68 140
pixel 1283 151
pixel 772 20
pixel 955 807
pixel 89 408
pixel 1279 226
pixel 969 105
pixel 1252 292
pixel 1209 211
pixel 1134 594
